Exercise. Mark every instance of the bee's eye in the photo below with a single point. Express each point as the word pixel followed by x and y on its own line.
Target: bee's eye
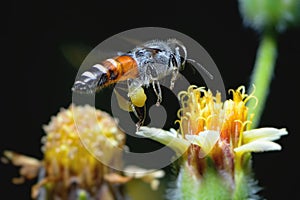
pixel 173 60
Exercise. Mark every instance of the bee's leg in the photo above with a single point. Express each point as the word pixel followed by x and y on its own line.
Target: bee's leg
pixel 157 92
pixel 140 113
pixel 174 77
pixel 153 74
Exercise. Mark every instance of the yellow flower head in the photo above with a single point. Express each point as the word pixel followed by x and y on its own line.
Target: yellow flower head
pixel 66 158
pixel 202 111
pixel 71 128
pixel 82 147
pixel 219 130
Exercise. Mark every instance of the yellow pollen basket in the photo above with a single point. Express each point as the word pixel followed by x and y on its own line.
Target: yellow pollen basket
pixel 138 97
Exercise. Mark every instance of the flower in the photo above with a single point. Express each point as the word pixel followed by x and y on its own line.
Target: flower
pixel 68 169
pixel 79 143
pixel 66 159
pixel 215 140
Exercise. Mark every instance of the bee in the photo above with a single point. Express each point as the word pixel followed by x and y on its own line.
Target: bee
pixel 141 67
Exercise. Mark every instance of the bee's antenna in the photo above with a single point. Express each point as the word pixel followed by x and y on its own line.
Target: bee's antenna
pixel 202 68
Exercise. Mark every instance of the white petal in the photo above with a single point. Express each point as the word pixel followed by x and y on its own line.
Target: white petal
pixel 266 134
pixel 258 146
pixel 206 140
pixel 170 139
pixel 138 172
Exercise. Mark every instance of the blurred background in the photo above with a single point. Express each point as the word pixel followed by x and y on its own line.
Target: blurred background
pixel 37 75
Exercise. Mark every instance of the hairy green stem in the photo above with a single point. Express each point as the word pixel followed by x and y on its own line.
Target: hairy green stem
pixel 262 74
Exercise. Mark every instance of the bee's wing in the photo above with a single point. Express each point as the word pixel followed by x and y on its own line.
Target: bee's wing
pixel 123 102
pixel 131 41
pixel 132 98
pixel 124 91
pixel 75 53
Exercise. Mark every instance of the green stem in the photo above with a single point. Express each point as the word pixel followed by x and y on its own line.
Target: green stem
pixel 262 74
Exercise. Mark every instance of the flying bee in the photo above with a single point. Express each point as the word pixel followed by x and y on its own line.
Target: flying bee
pixel 143 66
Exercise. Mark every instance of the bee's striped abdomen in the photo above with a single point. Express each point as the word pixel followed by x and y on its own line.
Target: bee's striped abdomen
pixel 108 72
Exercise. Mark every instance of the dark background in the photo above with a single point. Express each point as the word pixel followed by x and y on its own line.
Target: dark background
pixel 36 76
